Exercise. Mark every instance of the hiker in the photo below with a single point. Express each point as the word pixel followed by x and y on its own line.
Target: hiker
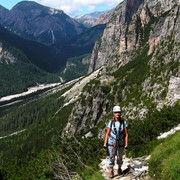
pixel 116 140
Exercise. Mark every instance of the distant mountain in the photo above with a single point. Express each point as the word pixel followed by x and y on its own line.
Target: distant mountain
pixel 104 18
pixel 34 21
pixel 52 58
pixel 19 56
pixel 89 20
pixel 88 37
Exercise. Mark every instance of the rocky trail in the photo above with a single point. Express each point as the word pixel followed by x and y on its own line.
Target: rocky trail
pixel 132 168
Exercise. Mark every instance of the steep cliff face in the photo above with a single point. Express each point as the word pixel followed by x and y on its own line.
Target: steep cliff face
pixel 139 55
pixel 133 24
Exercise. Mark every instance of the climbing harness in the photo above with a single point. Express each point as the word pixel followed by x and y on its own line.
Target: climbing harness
pixel 119 134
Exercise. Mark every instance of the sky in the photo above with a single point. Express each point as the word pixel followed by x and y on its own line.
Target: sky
pixel 70 7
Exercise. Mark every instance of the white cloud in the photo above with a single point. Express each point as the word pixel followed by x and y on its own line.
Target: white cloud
pixel 91 8
pixel 74 7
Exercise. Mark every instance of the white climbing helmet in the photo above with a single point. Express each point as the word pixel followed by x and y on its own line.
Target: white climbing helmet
pixel 116 109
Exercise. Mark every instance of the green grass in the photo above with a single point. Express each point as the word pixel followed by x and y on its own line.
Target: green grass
pixel 165 159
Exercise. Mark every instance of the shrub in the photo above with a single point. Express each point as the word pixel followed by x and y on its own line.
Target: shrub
pixel 143 132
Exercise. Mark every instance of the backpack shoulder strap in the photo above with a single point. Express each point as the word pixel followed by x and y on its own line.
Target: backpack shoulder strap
pixel 112 122
pixel 123 125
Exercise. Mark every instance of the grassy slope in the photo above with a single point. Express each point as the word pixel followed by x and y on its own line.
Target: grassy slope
pixel 165 159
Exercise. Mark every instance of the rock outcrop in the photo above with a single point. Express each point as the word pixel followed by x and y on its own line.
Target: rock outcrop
pixel 124 32
pixel 6 56
pixel 8 52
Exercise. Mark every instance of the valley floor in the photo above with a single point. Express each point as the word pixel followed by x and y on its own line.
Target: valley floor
pixel 30 90
pixel 15 133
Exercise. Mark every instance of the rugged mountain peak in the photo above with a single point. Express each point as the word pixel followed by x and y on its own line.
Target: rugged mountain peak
pixel 33 8
pixel 41 23
pixel 3 11
pixel 27 4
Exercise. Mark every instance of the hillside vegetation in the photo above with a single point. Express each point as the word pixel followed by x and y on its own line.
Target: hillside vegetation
pixel 16 78
pixel 17 71
pixel 165 159
pixel 75 67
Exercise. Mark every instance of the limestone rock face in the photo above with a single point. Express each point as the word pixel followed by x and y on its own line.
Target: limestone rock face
pixel 124 30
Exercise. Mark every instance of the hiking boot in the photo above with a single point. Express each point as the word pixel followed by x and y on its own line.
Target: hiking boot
pixel 111 174
pixel 119 171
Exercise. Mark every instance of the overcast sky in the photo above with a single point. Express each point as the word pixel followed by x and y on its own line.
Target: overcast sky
pixel 71 7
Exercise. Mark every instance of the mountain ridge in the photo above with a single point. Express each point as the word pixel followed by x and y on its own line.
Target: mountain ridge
pixel 41 23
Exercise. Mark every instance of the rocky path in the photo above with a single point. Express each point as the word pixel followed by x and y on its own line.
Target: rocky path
pixel 132 168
